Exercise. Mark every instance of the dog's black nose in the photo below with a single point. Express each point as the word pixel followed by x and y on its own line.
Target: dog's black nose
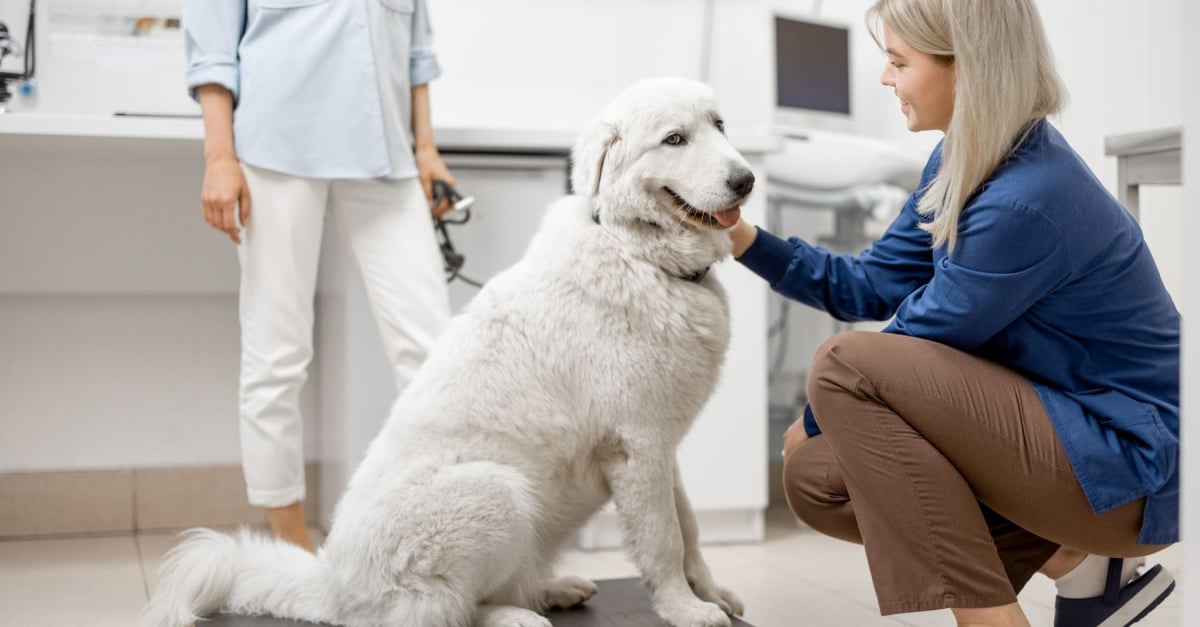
pixel 740 182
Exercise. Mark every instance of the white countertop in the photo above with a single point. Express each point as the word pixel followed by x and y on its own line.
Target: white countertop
pixel 100 126
pixel 39 132
pixel 1158 140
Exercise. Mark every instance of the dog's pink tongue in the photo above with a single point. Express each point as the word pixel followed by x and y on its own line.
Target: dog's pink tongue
pixel 729 217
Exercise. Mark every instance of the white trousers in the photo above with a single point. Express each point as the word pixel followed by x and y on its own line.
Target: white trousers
pixel 387 226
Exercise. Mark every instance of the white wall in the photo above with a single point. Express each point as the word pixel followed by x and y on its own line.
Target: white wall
pixel 553 64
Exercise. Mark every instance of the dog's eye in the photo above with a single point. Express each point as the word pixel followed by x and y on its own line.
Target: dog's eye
pixel 674 139
pixel 720 125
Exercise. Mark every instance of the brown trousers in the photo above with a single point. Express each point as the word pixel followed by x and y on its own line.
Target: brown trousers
pixel 947 469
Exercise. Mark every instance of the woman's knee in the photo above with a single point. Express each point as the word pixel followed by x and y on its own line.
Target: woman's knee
pixel 800 487
pixel 836 364
pixel 813 489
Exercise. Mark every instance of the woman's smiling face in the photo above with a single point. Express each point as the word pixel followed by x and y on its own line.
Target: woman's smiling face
pixel 923 83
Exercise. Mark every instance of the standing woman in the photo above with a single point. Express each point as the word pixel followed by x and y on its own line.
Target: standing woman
pixel 1021 410
pixel 316 109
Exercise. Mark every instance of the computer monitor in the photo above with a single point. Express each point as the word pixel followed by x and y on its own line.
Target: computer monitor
pixel 812 74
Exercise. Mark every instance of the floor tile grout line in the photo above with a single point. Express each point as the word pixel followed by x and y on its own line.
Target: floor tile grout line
pixel 137 546
pixel 137 542
pixel 133 495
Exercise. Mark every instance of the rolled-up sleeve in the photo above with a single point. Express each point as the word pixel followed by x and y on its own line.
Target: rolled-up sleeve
pixel 212 30
pixel 424 65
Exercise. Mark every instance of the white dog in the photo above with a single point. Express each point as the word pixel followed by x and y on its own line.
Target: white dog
pixel 570 379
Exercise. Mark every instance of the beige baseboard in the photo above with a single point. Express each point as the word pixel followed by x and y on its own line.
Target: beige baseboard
pixel 39 504
pixel 604 531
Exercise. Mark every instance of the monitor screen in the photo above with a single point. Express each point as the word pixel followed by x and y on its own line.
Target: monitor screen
pixel 812 67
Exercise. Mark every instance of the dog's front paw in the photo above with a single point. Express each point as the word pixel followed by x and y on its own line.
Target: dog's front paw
pixel 569 592
pixel 695 613
pixel 723 597
pixel 509 616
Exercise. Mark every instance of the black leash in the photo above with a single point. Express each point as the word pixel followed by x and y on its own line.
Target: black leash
pixel 452 260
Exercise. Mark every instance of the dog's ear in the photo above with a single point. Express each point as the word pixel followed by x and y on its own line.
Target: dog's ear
pixel 588 157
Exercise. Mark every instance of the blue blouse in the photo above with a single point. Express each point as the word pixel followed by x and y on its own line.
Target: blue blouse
pixel 1051 278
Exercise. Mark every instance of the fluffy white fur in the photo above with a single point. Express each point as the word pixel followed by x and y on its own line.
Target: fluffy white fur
pixel 569 380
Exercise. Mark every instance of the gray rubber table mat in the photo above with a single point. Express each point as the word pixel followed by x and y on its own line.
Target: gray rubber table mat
pixel 620 603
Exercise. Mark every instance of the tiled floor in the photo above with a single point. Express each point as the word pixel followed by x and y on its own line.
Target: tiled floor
pixel 795 577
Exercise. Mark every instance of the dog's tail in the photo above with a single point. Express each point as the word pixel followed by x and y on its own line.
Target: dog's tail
pixel 241 573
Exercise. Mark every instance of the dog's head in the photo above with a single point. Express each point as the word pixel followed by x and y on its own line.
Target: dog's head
pixel 658 158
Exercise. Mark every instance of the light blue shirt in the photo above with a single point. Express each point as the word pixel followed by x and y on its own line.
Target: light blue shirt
pixel 322 88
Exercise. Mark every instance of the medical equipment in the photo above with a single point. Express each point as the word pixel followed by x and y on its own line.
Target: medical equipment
pixel 459 213
pixel 9 47
pixel 813 75
pixel 460 204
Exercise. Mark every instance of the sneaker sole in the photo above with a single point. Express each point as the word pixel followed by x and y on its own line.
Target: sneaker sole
pixel 1148 598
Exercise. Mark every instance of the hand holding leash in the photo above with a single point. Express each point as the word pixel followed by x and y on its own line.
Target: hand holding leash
pixel 457 209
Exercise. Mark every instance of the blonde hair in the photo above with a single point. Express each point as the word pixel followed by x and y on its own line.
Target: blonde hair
pixel 1004 82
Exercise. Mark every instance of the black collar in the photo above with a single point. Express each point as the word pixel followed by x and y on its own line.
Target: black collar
pixel 694 277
